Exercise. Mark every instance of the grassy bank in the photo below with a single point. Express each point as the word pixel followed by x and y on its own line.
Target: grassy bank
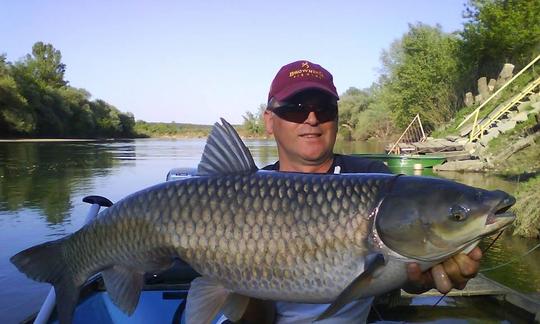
pixel 183 130
pixel 527 208
pixel 523 165
pixel 175 130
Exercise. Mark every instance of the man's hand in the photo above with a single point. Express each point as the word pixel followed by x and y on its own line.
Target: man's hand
pixel 452 273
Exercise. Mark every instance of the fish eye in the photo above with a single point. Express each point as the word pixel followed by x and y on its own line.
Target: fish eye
pixel 479 196
pixel 458 213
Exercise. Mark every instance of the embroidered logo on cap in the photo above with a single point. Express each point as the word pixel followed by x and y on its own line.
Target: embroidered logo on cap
pixel 306 71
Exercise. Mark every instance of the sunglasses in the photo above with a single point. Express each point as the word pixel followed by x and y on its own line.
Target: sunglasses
pixel 298 113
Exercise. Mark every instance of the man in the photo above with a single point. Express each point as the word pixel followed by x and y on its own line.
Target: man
pixel 302 116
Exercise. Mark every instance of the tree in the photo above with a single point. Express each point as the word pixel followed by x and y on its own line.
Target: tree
pixel 500 31
pixel 39 77
pixel 351 104
pixel 15 116
pixel 254 122
pixel 127 122
pixel 45 65
pixel 422 74
pixel 81 122
pixel 106 119
pixel 35 100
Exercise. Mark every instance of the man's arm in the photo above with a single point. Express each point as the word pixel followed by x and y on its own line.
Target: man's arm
pixel 452 273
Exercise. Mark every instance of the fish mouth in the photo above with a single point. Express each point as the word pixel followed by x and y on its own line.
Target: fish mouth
pixel 496 221
pixel 502 217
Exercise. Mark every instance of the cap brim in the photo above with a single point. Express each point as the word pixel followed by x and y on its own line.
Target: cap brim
pixel 302 86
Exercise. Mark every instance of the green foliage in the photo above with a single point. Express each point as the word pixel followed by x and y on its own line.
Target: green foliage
pixel 426 71
pixel 502 98
pixel 527 209
pixel 500 31
pixel 422 76
pixel 35 100
pixel 15 115
pixel 351 104
pixel 172 129
pixel 362 116
pixel 45 65
pixel 43 176
pixel 253 123
pixel 377 120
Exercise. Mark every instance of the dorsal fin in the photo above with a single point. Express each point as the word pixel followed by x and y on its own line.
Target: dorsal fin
pixel 225 153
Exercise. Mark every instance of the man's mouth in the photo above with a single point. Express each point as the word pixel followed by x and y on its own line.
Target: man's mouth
pixel 310 135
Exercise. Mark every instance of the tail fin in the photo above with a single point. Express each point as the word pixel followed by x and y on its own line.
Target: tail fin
pixel 45 263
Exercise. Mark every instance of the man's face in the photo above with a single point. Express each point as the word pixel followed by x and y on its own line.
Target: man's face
pixel 309 142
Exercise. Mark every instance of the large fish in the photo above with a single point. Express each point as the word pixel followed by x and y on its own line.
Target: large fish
pixel 294 237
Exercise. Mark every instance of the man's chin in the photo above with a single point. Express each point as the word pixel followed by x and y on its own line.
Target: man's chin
pixel 315 158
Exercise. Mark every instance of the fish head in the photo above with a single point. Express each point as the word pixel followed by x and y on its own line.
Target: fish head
pixel 430 219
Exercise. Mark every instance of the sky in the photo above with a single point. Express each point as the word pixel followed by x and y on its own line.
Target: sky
pixel 197 61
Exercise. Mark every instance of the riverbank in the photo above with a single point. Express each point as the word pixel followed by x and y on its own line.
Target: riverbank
pixel 188 136
pixel 23 140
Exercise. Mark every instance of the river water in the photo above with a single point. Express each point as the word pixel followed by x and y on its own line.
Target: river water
pixel 42 185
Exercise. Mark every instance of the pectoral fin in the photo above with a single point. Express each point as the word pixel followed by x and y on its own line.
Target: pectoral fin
pixel 354 289
pixel 235 306
pixel 206 298
pixel 123 286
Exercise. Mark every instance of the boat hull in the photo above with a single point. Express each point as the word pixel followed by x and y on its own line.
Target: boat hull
pixel 406 161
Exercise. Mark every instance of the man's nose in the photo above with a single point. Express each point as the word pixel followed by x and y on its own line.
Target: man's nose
pixel 312 119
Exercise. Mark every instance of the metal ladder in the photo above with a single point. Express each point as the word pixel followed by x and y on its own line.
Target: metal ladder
pixel 477 130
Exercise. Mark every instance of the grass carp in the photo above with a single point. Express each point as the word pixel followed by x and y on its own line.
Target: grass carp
pixel 311 238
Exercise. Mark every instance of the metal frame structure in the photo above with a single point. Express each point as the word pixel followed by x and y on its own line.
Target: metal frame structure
pixel 413 133
pixel 477 130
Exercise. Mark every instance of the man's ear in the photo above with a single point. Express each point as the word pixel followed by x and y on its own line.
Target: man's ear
pixel 269 122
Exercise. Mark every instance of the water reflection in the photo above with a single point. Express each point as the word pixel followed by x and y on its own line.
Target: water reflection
pixel 482 180
pixel 264 151
pixel 42 176
pixel 522 273
pixel 345 147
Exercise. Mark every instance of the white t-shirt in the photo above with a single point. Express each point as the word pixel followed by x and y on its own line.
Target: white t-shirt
pixel 288 313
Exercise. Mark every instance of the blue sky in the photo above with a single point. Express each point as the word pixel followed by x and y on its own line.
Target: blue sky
pixel 196 61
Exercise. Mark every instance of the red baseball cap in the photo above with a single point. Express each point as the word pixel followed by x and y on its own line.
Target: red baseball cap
pixel 298 76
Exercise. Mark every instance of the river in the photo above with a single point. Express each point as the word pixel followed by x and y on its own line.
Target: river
pixel 42 185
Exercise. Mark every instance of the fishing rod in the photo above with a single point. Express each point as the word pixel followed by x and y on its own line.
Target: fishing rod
pixel 483 252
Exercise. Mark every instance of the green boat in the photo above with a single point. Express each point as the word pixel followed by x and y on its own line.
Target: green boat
pixel 405 161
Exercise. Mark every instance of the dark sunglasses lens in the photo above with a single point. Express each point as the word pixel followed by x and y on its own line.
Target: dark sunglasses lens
pixel 327 114
pixel 293 115
pixel 299 115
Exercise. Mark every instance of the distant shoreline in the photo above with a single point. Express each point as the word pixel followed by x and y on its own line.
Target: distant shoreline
pixel 52 140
